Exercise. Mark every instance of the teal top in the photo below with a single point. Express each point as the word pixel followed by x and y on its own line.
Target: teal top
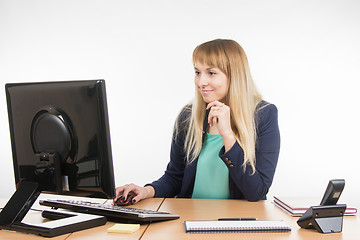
pixel 212 175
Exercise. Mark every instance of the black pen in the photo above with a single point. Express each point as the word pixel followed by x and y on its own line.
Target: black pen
pixel 236 219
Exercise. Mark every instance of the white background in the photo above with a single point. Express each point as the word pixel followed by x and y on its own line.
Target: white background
pixel 304 56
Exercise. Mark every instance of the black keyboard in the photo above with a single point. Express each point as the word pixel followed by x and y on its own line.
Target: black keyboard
pixel 111 212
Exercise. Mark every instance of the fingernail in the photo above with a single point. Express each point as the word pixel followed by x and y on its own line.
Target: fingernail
pixel 133 200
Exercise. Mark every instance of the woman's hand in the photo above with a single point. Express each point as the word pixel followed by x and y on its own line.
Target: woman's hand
pixel 219 116
pixel 137 192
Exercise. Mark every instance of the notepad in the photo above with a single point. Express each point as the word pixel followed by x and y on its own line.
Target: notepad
pixel 123 228
pixel 235 226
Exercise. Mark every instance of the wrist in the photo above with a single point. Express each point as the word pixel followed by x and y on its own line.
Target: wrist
pixel 228 137
pixel 229 141
pixel 150 191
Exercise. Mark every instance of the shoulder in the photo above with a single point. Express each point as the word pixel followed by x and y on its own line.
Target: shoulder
pixel 182 121
pixel 266 113
pixel 185 113
pixel 267 127
pixel 184 116
pixel 265 108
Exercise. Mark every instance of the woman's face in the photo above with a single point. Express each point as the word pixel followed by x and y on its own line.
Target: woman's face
pixel 211 82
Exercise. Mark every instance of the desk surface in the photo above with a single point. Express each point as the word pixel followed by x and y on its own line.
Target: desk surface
pixel 196 209
pixel 201 209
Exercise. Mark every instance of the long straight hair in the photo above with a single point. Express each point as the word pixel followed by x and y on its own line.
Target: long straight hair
pixel 242 98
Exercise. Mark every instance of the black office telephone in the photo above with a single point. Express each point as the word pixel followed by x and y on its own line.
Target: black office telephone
pixel 328 216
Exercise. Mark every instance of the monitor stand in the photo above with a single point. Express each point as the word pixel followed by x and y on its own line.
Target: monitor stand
pixel 62 222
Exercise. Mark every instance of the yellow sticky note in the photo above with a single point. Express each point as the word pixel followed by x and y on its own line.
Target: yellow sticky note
pixel 123 228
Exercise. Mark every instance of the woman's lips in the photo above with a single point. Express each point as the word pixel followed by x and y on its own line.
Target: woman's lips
pixel 204 92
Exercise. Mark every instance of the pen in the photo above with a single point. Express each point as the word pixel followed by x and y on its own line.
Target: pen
pixel 236 219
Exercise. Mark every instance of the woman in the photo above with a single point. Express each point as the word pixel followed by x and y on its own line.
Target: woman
pixel 226 143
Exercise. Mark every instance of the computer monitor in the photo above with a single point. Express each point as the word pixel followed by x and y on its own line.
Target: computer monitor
pixel 60 142
pixel 60 137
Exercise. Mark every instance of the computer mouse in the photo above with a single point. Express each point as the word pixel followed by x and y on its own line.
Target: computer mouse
pixel 121 201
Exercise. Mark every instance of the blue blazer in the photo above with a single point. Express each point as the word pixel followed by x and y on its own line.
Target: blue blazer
pixel 179 177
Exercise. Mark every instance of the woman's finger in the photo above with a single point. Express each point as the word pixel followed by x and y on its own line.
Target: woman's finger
pixel 214 112
pixel 214 103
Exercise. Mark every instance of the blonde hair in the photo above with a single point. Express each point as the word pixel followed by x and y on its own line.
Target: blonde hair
pixel 242 98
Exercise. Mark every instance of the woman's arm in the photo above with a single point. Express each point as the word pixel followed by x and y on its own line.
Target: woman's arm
pixel 255 186
pixel 169 185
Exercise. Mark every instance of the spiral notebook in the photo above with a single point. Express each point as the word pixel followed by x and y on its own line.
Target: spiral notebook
pixel 235 226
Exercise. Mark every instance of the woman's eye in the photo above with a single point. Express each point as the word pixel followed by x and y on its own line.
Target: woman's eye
pixel 197 72
pixel 212 73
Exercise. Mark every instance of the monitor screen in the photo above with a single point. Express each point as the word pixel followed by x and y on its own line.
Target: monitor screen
pixel 60 137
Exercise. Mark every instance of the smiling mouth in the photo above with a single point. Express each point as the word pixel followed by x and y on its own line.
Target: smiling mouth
pixel 206 91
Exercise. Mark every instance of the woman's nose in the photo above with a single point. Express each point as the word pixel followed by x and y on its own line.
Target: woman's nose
pixel 203 80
